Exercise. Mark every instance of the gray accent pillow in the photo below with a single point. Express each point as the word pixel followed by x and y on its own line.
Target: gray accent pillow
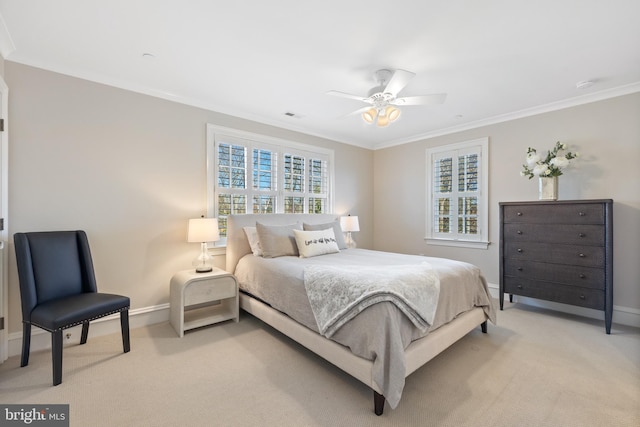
pixel 337 231
pixel 277 240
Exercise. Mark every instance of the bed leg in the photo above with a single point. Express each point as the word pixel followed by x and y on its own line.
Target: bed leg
pixel 378 403
pixel 483 326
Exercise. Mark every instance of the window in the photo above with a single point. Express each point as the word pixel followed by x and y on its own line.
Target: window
pixel 251 173
pixel 457 194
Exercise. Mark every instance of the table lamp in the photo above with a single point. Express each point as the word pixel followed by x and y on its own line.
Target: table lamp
pixel 349 224
pixel 203 230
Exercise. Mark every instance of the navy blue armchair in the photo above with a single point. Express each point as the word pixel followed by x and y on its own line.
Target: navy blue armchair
pixel 58 290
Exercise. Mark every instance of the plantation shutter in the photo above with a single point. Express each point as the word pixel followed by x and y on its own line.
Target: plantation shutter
pixel 231 180
pixel 318 200
pixel 256 177
pixel 306 182
pixel 264 173
pixel 456 194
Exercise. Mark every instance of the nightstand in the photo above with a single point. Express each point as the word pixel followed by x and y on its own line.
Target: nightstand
pixel 201 299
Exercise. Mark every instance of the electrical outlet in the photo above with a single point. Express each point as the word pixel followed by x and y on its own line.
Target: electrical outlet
pixel 68 335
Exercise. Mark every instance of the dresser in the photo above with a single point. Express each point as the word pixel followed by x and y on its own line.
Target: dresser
pixel 558 251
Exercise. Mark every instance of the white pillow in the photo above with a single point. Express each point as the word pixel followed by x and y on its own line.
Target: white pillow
pixel 317 242
pixel 337 231
pixel 254 241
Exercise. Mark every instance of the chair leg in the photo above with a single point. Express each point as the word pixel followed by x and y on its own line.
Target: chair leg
pixel 85 333
pixel 26 343
pixel 56 353
pixel 124 325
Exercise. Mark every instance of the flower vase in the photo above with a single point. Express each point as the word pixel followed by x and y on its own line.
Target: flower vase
pixel 548 188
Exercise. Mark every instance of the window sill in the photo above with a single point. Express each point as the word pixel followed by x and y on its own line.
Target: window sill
pixel 457 243
pixel 217 250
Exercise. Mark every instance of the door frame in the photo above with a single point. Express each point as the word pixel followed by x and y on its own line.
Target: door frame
pixel 4 213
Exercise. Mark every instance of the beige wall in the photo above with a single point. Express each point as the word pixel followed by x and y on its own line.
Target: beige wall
pixel 130 170
pixel 607 135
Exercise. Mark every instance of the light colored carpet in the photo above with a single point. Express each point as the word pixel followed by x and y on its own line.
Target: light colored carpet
pixel 536 368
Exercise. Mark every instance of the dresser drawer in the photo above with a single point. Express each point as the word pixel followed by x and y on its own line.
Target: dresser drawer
pixel 209 290
pixel 586 256
pixel 569 275
pixel 549 291
pixel 553 233
pixel 574 213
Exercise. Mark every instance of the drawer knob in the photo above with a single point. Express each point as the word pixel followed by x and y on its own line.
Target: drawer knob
pixel 582 276
pixel 519 286
pixel 581 214
pixel 519 213
pixel 581 235
pixel 519 232
pixel 519 268
pixel 582 296
pixel 581 255
pixel 519 250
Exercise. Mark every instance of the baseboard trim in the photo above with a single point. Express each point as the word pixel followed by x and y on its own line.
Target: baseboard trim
pixel 621 315
pixel 41 340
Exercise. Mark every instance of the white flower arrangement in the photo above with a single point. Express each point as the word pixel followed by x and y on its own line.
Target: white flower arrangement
pixel 552 165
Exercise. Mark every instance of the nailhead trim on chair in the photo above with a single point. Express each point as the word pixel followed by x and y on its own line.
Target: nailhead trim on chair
pixel 80 323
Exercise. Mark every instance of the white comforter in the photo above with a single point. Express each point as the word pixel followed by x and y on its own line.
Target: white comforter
pixel 381 332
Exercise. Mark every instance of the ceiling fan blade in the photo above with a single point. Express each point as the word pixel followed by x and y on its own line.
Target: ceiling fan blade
pixel 434 98
pixel 398 81
pixel 347 95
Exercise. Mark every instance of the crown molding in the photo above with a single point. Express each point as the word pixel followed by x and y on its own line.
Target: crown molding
pixel 527 112
pixel 7 44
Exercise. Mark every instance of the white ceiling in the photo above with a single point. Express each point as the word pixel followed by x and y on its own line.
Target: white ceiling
pixel 259 59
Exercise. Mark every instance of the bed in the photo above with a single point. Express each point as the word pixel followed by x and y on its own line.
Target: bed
pixel 379 344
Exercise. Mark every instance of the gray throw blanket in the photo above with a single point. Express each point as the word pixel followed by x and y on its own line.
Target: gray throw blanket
pixel 338 293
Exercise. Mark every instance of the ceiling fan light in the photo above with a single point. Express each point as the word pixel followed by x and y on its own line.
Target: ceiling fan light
pixel 383 121
pixel 393 113
pixel 370 115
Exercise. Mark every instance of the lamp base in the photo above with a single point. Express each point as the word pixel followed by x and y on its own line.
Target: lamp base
pixel 351 244
pixel 203 263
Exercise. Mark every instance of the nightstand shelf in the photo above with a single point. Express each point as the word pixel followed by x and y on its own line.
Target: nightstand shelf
pixel 202 299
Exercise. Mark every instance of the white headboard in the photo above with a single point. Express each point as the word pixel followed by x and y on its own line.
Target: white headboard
pixel 237 243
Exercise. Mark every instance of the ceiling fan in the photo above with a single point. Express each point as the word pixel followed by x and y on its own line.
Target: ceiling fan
pixel 383 98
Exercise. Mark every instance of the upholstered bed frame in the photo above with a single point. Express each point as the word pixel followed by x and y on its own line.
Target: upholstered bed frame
pixel 417 353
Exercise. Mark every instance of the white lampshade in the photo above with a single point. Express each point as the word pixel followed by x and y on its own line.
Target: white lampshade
pixel 203 230
pixel 349 223
pixel 370 115
pixel 393 113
